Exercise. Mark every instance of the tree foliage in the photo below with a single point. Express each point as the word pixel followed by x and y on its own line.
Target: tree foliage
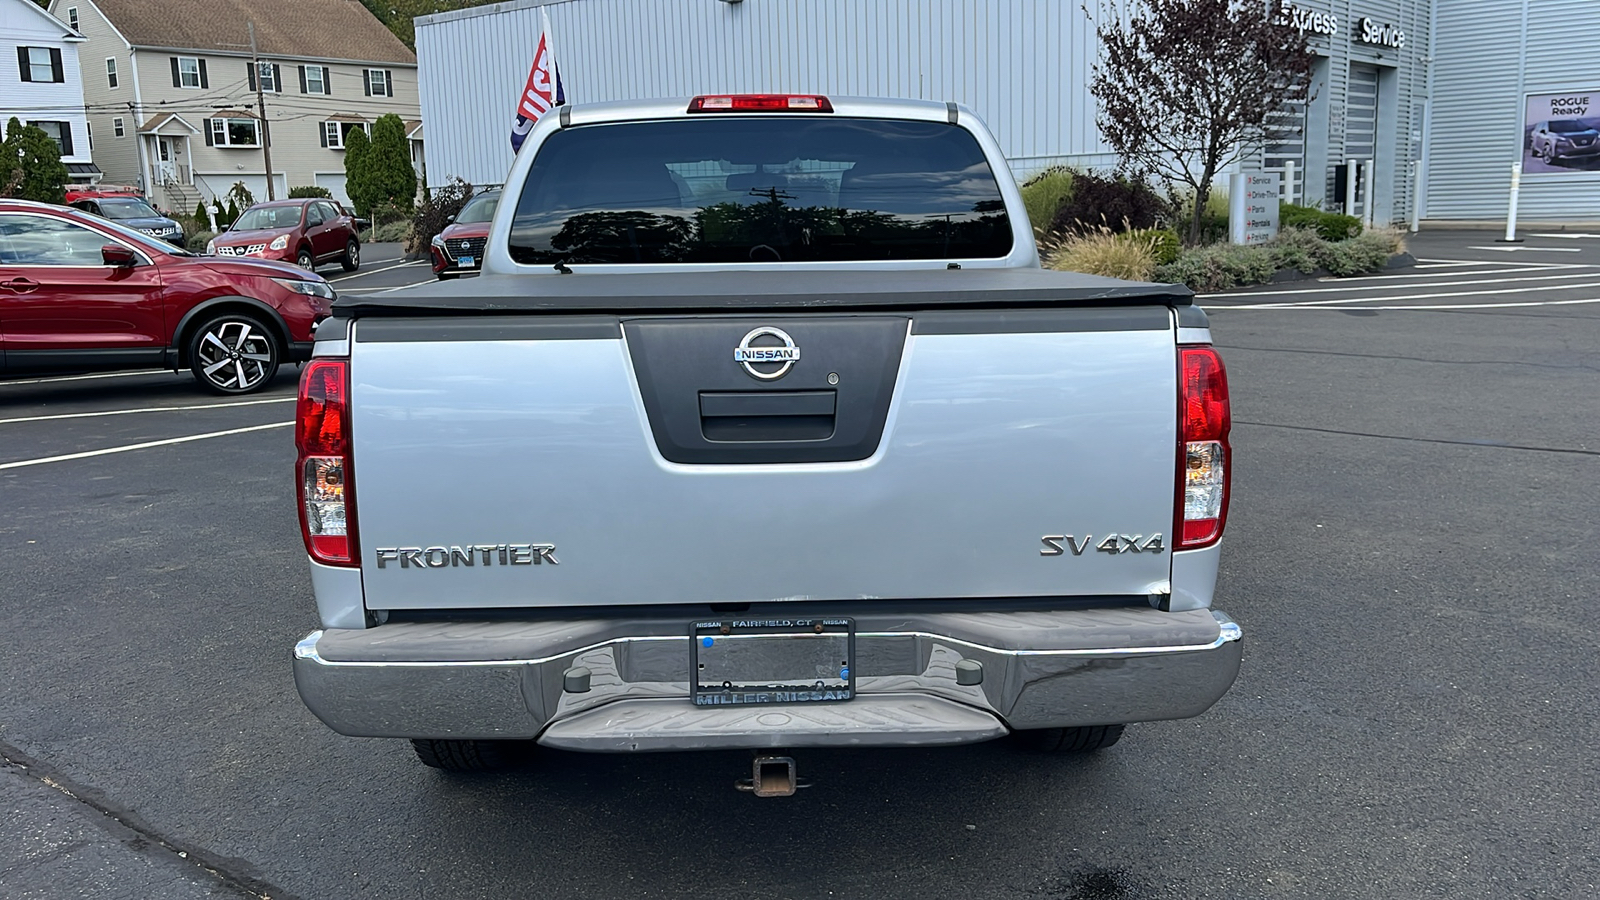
pixel 378 173
pixel 439 205
pixel 307 191
pixel 356 148
pixel 1186 87
pixel 30 165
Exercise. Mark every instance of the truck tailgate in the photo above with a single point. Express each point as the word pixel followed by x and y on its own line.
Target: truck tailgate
pixel 537 460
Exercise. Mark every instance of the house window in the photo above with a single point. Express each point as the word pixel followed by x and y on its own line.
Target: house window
pixel 111 71
pixel 316 79
pixel 116 126
pixel 379 83
pixel 188 72
pixel 268 74
pixel 72 17
pixel 40 64
pixel 336 134
pixel 233 133
pixel 60 132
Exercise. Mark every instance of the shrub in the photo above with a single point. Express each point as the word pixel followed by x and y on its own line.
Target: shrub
pixel 1043 194
pixel 438 206
pixel 1164 242
pixel 389 232
pixel 1331 226
pixel 1219 266
pixel 1104 252
pixel 1298 248
pixel 308 191
pixel 35 170
pixel 1213 219
pixel 197 241
pixel 201 215
pixel 1366 252
pixel 1116 204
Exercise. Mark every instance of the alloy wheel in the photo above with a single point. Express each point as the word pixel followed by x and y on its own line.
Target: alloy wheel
pixel 235 355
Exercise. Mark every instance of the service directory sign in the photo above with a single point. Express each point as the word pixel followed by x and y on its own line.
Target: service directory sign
pixel 1253 207
pixel 1561 132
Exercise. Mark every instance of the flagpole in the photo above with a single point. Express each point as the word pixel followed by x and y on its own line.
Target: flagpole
pixel 550 48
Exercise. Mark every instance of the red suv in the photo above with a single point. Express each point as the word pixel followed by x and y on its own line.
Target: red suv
pixel 79 293
pixel 307 233
pixel 459 247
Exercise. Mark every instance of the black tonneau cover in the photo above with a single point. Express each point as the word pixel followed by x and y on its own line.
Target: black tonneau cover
pixel 913 289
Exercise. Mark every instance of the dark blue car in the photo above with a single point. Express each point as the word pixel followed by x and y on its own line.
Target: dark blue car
pixel 132 212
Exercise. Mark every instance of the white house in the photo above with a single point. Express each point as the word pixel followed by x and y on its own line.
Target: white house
pixel 40 83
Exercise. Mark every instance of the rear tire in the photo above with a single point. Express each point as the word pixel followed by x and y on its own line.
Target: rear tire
pixel 470 756
pixel 352 256
pixel 1083 739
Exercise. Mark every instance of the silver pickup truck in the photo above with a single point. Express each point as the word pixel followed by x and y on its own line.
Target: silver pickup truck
pixel 763 429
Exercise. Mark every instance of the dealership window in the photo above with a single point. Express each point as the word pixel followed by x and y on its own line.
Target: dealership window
pixel 60 132
pixel 116 127
pixel 380 83
pixel 314 80
pixel 72 17
pixel 337 134
pixel 40 64
pixel 111 71
pixel 189 72
pixel 232 133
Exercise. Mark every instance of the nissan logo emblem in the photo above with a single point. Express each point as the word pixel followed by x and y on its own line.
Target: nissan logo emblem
pixel 784 356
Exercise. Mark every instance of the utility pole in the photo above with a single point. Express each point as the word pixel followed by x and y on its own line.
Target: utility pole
pixel 261 108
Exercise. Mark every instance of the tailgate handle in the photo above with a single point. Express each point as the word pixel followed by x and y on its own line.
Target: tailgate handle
pixel 767 403
pixel 767 416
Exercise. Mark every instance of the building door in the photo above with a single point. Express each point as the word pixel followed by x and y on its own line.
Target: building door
pixel 168 166
pixel 1361 125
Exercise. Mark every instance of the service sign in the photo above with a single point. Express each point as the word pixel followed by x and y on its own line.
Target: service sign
pixel 1253 207
pixel 1561 133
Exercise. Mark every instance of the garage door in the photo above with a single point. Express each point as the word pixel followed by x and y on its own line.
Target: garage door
pixel 1361 123
pixel 334 182
pixel 220 183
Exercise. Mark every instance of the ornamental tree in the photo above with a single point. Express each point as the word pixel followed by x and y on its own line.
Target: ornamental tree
pixel 30 165
pixel 1186 87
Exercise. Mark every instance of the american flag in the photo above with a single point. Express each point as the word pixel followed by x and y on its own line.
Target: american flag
pixel 543 91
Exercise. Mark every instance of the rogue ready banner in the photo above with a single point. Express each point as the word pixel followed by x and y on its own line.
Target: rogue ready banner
pixel 1561 132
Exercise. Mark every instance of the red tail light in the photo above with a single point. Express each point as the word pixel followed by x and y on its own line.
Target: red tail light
pixel 1204 420
pixel 761 103
pixel 322 437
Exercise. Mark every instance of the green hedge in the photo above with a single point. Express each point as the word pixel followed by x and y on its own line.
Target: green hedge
pixel 1218 267
pixel 1331 226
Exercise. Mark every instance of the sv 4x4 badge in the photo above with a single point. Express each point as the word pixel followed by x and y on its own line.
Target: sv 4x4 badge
pixel 1111 543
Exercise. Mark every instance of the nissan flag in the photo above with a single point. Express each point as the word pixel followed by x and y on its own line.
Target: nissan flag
pixel 543 91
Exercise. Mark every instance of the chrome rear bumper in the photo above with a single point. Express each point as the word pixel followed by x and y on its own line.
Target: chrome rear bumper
pixel 505 680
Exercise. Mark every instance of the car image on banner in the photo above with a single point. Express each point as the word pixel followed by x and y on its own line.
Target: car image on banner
pixel 1561 133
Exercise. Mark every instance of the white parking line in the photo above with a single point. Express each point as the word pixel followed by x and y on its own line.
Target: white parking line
pixel 147 444
pixel 87 377
pixel 1583 273
pixel 1308 308
pixel 338 278
pixel 1426 296
pixel 1519 249
pixel 148 409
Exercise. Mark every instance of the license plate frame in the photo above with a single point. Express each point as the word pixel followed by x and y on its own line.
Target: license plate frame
pixel 466 262
pixel 771 661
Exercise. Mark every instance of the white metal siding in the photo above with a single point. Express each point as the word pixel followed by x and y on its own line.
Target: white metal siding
pixel 1023 65
pixel 1480 76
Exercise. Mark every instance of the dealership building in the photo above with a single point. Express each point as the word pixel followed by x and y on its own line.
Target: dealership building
pixel 1434 101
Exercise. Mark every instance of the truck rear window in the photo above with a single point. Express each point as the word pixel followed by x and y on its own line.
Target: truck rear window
pixel 765 189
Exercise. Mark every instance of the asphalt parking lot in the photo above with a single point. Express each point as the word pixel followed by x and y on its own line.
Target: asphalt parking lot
pixel 1411 552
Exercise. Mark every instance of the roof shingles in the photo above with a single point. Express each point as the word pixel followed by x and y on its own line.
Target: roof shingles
pixel 314 29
